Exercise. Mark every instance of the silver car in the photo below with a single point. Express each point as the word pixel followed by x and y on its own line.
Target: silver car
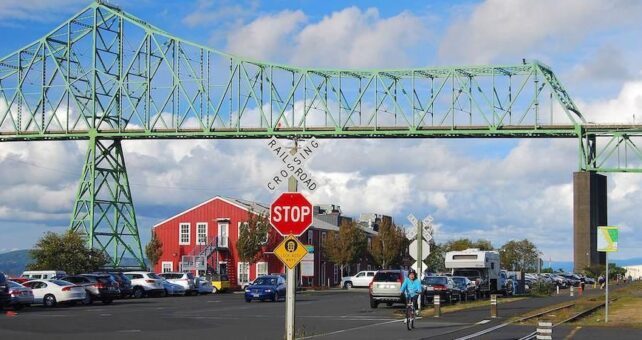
pixel 386 287
pixel 186 280
pixel 21 296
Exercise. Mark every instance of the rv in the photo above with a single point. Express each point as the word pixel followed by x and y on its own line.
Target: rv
pixel 481 267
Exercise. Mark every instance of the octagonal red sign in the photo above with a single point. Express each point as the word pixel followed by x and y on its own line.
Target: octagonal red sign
pixel 291 214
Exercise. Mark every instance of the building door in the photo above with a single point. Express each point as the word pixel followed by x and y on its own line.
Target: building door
pixel 223 233
pixel 222 268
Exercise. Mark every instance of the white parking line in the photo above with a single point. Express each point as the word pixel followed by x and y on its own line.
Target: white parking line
pixel 352 329
pixel 482 322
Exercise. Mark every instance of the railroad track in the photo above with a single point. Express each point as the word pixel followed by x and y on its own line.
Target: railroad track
pixel 587 311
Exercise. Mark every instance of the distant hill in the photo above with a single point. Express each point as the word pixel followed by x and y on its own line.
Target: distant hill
pixel 14 262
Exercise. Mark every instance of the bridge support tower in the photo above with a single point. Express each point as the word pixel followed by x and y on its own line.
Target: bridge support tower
pixel 104 209
pixel 589 212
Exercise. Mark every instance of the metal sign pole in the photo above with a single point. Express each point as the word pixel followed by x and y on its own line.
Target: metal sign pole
pixel 420 257
pixel 606 304
pixel 291 279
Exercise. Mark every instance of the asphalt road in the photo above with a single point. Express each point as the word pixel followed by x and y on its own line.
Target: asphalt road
pixel 335 314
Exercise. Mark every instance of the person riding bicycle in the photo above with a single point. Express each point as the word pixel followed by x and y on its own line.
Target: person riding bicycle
pixel 412 288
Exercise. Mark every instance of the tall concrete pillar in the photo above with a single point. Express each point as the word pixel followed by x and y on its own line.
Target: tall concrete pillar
pixel 589 212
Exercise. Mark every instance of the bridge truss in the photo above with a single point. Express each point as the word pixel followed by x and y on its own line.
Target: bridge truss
pixel 105 76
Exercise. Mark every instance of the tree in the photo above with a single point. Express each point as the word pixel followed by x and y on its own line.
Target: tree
pixel 154 250
pixel 253 235
pixel 465 243
pixel 389 246
pixel 436 261
pixel 67 252
pixel 519 255
pixel 345 246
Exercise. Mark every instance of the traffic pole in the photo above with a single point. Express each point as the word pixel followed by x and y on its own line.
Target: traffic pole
pixel 493 305
pixel 291 279
pixel 436 302
pixel 606 303
pixel 420 260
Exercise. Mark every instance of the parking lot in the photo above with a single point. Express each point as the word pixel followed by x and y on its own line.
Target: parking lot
pixel 336 314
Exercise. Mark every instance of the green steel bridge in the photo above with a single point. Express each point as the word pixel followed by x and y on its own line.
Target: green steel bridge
pixel 105 76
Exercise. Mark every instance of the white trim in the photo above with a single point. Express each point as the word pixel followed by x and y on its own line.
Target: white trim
pixel 200 205
pixel 180 233
pixel 198 241
pixel 171 266
pixel 266 268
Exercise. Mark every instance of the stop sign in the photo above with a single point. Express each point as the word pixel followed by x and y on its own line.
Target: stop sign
pixel 291 213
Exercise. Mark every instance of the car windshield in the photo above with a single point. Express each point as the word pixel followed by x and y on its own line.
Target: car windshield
pixel 62 283
pixel 459 280
pixel 265 281
pixel 436 280
pixel 153 276
pixel 386 277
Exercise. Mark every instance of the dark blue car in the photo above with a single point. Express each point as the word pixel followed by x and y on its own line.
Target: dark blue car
pixel 268 287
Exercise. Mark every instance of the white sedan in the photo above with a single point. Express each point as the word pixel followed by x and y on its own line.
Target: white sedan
pixel 52 292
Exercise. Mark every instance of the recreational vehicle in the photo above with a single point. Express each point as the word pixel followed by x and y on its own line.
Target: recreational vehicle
pixel 481 267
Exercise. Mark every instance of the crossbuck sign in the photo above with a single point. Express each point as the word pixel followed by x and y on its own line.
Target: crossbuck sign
pixel 293 164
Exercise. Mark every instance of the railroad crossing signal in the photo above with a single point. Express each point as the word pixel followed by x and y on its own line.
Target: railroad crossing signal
pixel 293 163
pixel 291 214
pixel 291 251
pixel 425 250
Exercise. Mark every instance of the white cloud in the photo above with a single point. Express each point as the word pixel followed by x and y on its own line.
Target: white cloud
pixel 622 109
pixel 500 29
pixel 350 37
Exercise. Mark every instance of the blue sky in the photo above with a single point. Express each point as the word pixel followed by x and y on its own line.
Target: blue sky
pixel 494 189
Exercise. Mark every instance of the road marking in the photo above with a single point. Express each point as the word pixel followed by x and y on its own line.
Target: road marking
pixel 213 301
pixel 105 314
pixel 353 329
pixel 129 331
pixel 482 332
pixel 482 322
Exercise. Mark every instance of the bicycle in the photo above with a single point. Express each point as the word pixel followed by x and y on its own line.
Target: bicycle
pixel 410 313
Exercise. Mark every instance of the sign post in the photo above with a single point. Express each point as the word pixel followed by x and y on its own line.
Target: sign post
pixel 607 239
pixel 419 249
pixel 291 215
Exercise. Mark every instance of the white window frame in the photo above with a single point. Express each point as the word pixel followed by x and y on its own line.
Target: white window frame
pixel 225 223
pixel 239 280
pixel 163 267
pixel 180 234
pixel 261 272
pixel 199 240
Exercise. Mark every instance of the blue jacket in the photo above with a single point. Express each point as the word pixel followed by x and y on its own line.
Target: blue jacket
pixel 411 288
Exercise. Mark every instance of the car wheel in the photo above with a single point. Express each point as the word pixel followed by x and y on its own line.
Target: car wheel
pixel 348 285
pixel 164 293
pixel 275 297
pixel 139 292
pixel 107 302
pixel 49 300
pixel 87 300
pixel 248 300
pixel 214 290
pixel 373 303
pixel 18 307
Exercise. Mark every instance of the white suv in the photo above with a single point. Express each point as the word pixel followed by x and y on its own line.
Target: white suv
pixel 183 279
pixel 145 283
pixel 362 279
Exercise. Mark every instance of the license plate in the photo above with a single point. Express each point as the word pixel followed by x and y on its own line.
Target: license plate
pixel 255 295
pixel 430 288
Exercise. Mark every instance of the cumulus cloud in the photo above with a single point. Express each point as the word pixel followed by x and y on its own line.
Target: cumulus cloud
pixel 625 108
pixel 503 29
pixel 350 37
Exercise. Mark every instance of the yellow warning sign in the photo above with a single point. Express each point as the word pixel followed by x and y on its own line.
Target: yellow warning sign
pixel 291 251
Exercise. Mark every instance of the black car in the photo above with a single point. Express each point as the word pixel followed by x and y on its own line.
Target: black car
pixel 4 291
pixel 97 287
pixel 442 286
pixel 124 283
pixel 467 288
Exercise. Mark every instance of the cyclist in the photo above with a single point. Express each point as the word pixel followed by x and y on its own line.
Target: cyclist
pixel 411 287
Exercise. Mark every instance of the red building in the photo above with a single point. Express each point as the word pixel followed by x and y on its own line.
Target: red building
pixel 204 238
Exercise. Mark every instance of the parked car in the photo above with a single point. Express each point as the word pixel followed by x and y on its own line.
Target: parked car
pixel 220 282
pixel 124 284
pixel 386 287
pixel 4 291
pixel 467 288
pixel 444 286
pixel 266 287
pixel 506 283
pixel 19 280
pixel 186 280
pixel 52 292
pixel 21 296
pixel 172 288
pixel 98 287
pixel 573 279
pixel 361 279
pixel 43 274
pixel 203 285
pixel 145 284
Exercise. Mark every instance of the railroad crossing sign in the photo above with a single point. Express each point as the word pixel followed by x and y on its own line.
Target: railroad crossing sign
pixel 425 250
pixel 291 251
pixel 291 214
pixel 293 163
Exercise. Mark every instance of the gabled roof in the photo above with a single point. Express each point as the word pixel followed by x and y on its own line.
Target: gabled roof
pixel 239 203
